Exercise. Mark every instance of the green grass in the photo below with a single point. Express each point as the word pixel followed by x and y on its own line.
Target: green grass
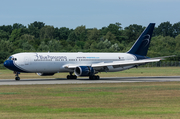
pixel 159 100
pixel 124 100
pixel 155 71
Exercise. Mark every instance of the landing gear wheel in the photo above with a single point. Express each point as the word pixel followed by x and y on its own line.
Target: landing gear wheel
pixel 71 76
pixel 91 77
pixel 17 78
pixel 74 77
pixel 94 77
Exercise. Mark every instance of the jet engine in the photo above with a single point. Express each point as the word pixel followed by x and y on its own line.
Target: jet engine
pixel 45 74
pixel 84 71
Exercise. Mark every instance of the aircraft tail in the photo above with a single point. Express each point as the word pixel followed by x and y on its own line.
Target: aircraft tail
pixel 141 46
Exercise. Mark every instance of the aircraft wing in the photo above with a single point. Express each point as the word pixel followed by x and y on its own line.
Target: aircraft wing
pixel 116 63
pixel 125 63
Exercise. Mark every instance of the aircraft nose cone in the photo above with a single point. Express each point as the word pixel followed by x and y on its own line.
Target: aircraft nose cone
pixel 10 65
pixel 6 64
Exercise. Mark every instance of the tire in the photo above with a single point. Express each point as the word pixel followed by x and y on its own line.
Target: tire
pixel 92 77
pixel 17 78
pixel 74 77
pixel 71 77
pixel 97 77
pixel 68 77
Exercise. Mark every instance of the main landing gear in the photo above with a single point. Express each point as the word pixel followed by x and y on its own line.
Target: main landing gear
pixel 71 76
pixel 17 78
pixel 94 77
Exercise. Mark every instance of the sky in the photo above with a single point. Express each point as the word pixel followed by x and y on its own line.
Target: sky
pixel 91 13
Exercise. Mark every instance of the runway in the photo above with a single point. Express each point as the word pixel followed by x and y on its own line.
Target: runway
pixel 87 81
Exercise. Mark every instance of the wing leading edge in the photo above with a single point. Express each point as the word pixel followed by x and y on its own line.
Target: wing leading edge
pixel 116 63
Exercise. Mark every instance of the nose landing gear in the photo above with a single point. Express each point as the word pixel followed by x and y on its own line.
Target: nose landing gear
pixel 17 78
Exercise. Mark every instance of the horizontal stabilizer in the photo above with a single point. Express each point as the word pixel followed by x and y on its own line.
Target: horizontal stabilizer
pixel 163 57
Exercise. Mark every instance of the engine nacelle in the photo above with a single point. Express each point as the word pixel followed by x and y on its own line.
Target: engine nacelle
pixel 45 74
pixel 84 71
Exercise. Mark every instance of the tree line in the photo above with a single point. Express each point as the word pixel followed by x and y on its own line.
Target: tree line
pixel 38 37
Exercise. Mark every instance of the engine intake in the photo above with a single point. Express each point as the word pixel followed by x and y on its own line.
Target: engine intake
pixel 84 71
pixel 45 74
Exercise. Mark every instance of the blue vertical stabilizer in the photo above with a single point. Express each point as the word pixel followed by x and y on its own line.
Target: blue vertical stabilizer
pixel 141 46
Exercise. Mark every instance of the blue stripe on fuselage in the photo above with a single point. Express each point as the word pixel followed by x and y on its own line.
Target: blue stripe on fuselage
pixel 10 65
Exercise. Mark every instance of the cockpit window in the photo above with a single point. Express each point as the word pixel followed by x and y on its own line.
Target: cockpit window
pixel 14 59
pixel 11 58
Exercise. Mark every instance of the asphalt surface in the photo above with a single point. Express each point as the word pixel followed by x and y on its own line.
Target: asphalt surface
pixel 87 81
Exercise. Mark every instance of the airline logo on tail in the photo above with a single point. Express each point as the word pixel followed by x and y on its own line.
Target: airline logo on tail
pixel 146 40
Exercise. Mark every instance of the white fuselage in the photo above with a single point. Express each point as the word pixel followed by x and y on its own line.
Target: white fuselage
pixel 55 62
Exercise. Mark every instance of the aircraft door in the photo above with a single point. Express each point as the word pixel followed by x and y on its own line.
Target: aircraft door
pixel 26 60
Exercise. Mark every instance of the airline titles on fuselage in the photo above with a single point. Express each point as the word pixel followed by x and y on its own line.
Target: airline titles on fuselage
pixel 65 58
pixel 49 58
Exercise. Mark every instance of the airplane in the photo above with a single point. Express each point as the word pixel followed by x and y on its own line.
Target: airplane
pixel 82 64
